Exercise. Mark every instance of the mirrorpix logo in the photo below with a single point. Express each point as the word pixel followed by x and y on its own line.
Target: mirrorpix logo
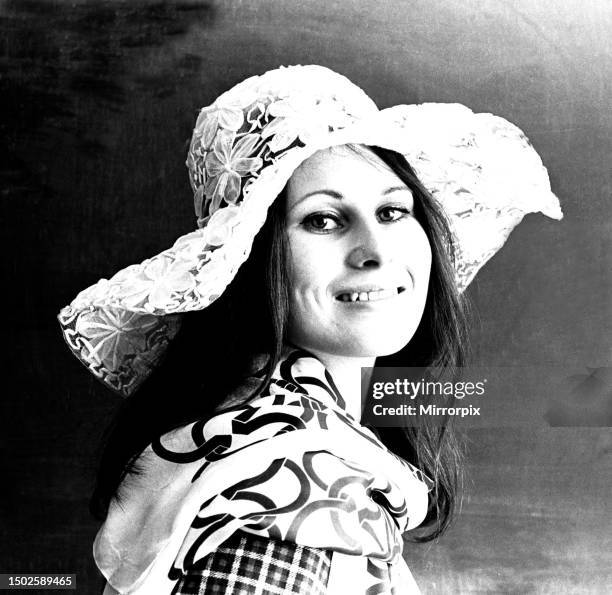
pixel 388 391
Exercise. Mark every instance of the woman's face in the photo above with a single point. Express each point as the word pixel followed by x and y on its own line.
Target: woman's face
pixel 359 261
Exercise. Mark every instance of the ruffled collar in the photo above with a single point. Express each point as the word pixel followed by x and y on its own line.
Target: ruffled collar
pixel 302 372
pixel 297 371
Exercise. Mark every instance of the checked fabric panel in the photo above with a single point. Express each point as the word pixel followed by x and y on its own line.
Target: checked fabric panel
pixel 247 564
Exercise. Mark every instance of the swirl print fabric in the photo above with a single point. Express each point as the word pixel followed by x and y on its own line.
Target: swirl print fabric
pixel 291 465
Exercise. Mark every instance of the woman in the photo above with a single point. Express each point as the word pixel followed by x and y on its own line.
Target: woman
pixel 240 464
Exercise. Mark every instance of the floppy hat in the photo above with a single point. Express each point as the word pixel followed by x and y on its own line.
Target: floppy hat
pixel 245 146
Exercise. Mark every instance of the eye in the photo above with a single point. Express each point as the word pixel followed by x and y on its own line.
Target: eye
pixel 392 213
pixel 321 222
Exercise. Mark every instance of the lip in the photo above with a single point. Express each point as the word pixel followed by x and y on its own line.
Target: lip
pixel 366 294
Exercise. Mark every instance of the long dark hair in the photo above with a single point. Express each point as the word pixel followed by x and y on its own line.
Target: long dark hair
pixel 211 356
pixel 441 340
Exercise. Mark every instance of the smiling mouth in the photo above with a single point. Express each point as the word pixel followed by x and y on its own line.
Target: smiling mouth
pixel 369 296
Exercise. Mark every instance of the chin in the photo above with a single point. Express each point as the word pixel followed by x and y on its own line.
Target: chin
pixel 371 344
pixel 380 340
pixel 377 348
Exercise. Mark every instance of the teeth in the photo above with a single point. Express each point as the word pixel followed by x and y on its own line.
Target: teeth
pixel 368 296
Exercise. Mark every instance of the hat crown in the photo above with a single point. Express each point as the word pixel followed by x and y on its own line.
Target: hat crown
pixel 303 81
pixel 251 126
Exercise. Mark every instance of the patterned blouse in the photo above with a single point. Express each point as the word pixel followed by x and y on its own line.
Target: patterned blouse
pixel 286 494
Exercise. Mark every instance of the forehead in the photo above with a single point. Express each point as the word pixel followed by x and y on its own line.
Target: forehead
pixel 341 167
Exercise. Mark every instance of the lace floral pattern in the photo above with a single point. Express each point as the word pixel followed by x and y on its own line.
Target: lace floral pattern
pixel 119 347
pixel 244 149
pixel 233 140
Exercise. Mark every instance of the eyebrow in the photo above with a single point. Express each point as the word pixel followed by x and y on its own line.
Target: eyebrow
pixel 339 196
pixel 396 189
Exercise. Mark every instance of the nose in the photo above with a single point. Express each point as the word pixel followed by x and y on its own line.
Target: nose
pixel 361 257
pixel 366 251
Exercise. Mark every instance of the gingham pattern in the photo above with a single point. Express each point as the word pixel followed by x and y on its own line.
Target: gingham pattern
pixel 250 565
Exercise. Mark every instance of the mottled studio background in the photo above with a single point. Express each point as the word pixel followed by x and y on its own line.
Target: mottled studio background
pixel 98 102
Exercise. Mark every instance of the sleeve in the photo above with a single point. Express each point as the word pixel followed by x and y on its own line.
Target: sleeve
pixel 247 563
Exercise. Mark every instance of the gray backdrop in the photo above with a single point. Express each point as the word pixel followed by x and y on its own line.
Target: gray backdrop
pixel 99 101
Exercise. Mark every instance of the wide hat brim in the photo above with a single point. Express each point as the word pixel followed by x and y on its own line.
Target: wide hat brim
pixel 479 167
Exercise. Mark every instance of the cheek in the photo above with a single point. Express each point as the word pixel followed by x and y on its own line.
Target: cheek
pixel 311 270
pixel 414 252
pixel 424 249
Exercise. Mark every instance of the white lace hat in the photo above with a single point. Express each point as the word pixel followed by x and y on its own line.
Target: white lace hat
pixel 245 147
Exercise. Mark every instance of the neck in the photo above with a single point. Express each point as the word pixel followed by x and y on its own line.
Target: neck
pixel 348 376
